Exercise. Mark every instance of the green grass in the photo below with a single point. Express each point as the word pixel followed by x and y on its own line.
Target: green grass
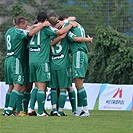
pixel 98 122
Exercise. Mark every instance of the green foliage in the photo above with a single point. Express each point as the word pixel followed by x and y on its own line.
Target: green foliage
pixel 18 9
pixel 111 59
pixel 3 10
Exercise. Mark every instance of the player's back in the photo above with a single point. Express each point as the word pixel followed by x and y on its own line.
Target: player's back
pixel 59 55
pixel 75 46
pixel 15 42
pixel 39 45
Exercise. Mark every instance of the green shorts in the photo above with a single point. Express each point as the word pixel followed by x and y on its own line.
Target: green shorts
pixel 60 78
pixel 79 64
pixel 39 72
pixel 13 71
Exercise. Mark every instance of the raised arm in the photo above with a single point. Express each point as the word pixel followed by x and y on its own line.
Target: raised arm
pixel 71 18
pixel 37 27
pixel 57 39
pixel 64 30
pixel 83 39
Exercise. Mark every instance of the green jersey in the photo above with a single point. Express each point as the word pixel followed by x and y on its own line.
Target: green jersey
pixel 77 46
pixel 15 42
pixel 59 56
pixel 39 45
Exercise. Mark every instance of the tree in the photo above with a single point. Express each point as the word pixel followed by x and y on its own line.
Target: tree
pixel 111 58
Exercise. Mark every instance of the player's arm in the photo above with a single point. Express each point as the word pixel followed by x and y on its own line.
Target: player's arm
pixel 83 39
pixel 57 39
pixel 37 28
pixel 72 37
pixel 30 27
pixel 66 28
pixel 71 18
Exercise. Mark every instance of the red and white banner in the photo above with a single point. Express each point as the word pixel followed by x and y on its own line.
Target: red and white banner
pixel 116 97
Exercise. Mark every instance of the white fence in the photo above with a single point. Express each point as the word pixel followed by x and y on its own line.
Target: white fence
pixel 100 96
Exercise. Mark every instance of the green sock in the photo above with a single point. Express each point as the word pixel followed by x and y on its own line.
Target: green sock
pixel 82 97
pixel 58 94
pixel 72 98
pixel 19 101
pixel 54 99
pixel 26 101
pixel 33 98
pixel 85 103
pixel 7 101
pixel 40 101
pixel 62 99
pixel 12 101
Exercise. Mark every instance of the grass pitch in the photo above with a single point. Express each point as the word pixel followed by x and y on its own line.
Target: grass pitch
pixel 98 122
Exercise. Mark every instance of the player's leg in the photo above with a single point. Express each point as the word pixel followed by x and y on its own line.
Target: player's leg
pixel 79 68
pixel 53 84
pixel 17 78
pixel 23 98
pixel 41 98
pixel 61 101
pixel 64 82
pixel 33 99
pixel 81 97
pixel 45 96
pixel 13 97
pixel 8 80
pixel 33 93
pixel 72 98
pixel 27 84
pixel 43 75
pixel 7 98
pixel 26 98
pixel 54 100
pixel 19 105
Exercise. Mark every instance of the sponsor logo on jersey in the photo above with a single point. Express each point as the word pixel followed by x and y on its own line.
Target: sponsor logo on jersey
pixel 35 49
pixel 10 54
pixel 58 57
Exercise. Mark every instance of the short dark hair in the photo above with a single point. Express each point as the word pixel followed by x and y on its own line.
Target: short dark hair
pixel 53 21
pixel 20 19
pixel 41 17
pixel 63 16
pixel 52 14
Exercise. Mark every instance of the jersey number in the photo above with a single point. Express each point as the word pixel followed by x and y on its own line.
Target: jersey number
pixel 82 31
pixel 32 42
pixel 8 39
pixel 56 49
